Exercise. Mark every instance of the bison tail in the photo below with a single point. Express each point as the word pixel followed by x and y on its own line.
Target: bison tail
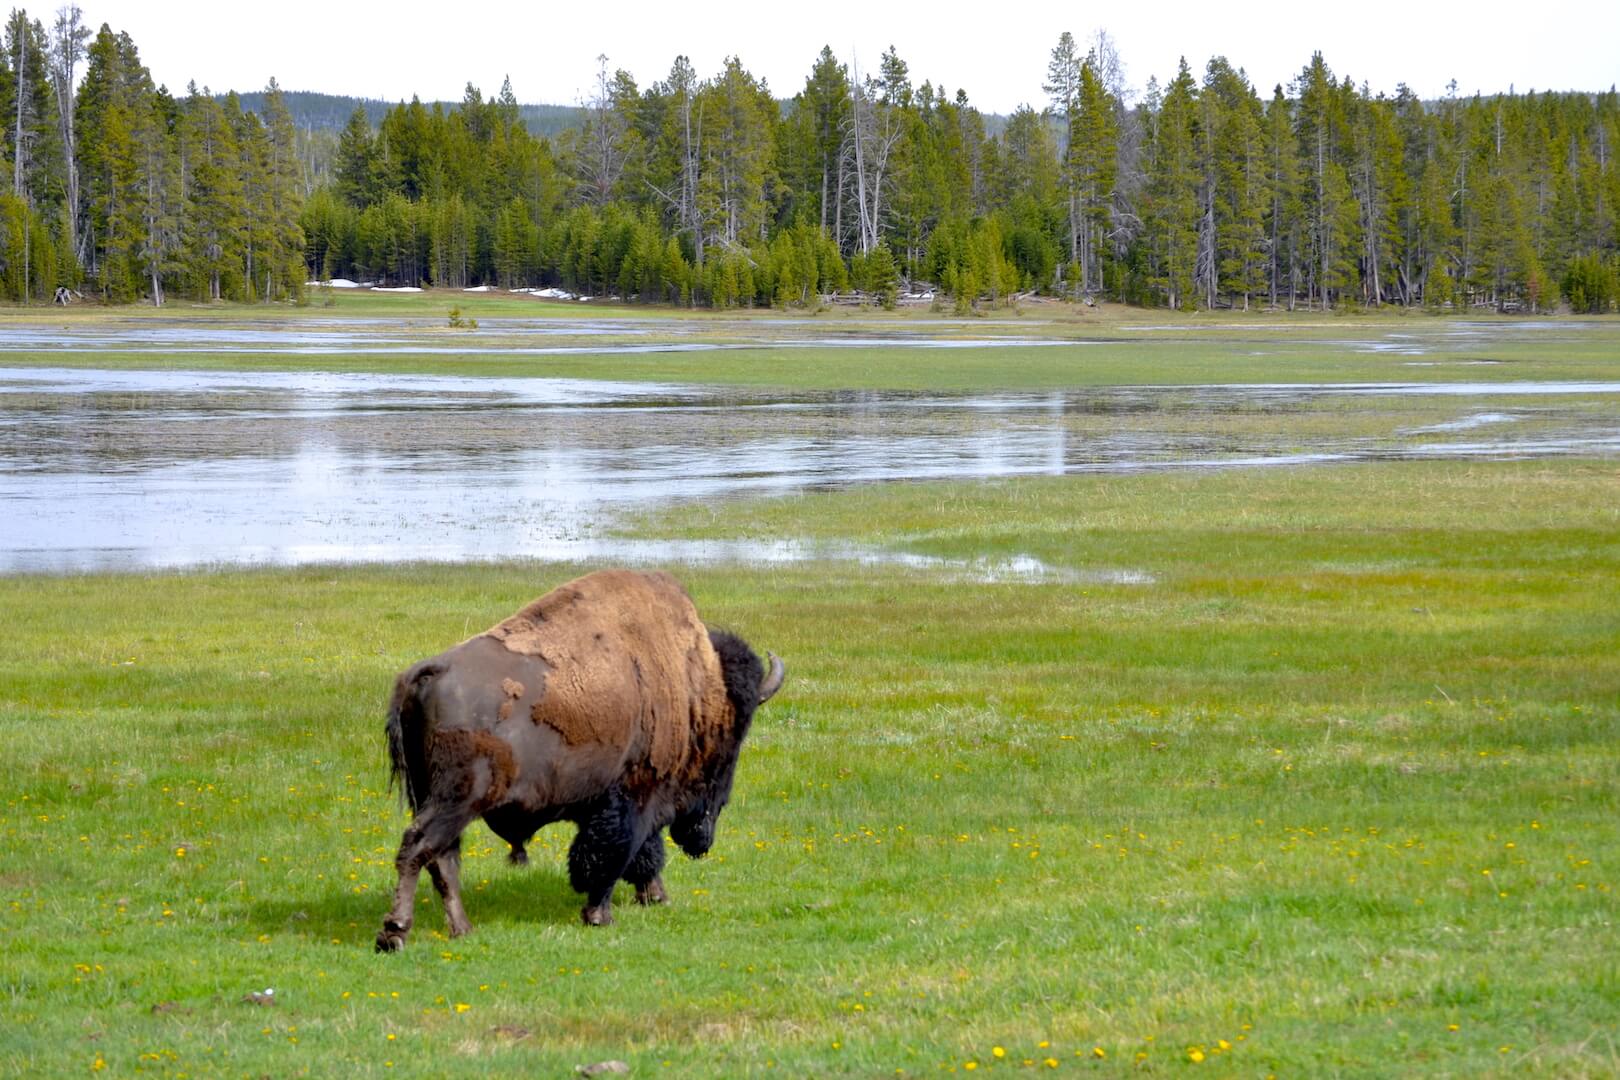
pixel 407 735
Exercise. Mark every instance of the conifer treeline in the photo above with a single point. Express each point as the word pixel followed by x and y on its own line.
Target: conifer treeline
pixel 710 191
pixel 114 186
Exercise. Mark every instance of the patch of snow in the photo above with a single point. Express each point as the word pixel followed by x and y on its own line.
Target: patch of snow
pixel 398 288
pixel 480 288
pixel 336 283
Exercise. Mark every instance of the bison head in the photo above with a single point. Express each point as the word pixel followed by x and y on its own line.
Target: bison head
pixel 748 686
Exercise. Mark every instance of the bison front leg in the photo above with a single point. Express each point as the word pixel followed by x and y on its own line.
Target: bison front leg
pixel 609 834
pixel 644 870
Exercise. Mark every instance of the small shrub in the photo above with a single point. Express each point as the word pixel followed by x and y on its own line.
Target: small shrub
pixel 1590 285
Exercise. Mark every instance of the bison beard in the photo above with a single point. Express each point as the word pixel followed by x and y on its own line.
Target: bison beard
pixel 606 702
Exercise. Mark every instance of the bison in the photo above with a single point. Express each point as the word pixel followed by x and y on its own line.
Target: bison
pixel 607 703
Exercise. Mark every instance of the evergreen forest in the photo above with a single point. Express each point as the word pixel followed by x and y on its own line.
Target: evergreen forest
pixel 706 189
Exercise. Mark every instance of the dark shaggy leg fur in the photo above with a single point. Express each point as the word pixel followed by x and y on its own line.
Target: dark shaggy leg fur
pixel 609 834
pixel 643 871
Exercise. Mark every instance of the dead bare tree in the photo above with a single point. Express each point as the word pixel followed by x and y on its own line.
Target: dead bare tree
pixel 686 133
pixel 68 38
pixel 21 135
pixel 602 156
pixel 874 130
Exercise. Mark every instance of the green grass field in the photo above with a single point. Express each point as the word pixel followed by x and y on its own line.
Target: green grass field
pixel 1336 793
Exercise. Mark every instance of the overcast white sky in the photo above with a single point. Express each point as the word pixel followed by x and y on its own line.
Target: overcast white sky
pixel 997 51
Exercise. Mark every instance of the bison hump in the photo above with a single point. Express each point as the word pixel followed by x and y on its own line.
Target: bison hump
pixel 631 665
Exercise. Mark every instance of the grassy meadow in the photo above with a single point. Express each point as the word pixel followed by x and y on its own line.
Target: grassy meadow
pixel 1335 793
pixel 1326 783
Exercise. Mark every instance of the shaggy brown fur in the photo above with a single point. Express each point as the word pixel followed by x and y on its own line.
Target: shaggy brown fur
pixel 634 667
pixel 604 702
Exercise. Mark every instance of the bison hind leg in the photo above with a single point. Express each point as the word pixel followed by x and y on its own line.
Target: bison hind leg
pixel 435 831
pixel 446 873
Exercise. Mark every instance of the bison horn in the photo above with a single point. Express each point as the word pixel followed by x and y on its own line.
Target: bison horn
pixel 773 681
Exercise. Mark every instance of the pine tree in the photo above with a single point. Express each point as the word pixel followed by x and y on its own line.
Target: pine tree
pixel 215 226
pixel 283 255
pixel 823 107
pixel 1234 196
pixel 1172 193
pixel 1380 190
pixel 153 203
pixel 27 256
pixel 1330 214
pixel 1093 157
pixel 257 230
pixel 738 136
pixel 1063 91
pixel 1284 212
pixel 354 170
pixel 112 97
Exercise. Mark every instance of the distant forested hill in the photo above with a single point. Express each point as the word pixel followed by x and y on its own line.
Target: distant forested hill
pixel 329 112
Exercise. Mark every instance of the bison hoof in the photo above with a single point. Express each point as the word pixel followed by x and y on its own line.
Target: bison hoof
pixel 518 856
pixel 652 894
pixel 390 941
pixel 597 916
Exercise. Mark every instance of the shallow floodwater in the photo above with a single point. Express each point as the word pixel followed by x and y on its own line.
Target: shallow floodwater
pixel 144 469
pixel 511 337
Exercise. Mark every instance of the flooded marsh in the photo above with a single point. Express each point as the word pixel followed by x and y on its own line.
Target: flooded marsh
pixel 237 460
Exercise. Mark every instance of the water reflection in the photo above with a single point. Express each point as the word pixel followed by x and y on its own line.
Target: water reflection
pixel 115 469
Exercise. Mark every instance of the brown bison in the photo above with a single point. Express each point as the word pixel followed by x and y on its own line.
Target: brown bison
pixel 607 703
